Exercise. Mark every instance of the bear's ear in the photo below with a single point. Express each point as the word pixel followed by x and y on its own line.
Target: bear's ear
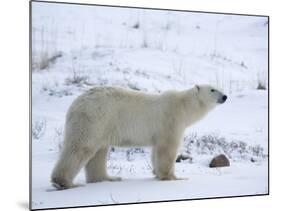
pixel 197 87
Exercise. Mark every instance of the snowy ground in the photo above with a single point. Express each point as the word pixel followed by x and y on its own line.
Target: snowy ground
pixel 75 48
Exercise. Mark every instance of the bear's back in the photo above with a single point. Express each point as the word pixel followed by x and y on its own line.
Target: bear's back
pixel 106 94
pixel 101 100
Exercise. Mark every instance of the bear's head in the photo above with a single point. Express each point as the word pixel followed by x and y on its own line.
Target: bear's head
pixel 209 95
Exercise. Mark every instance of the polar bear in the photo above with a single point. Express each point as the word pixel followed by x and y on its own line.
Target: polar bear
pixel 108 116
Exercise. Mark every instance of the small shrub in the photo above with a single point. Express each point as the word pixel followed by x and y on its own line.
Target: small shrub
pixel 44 60
pixel 212 144
pixel 132 152
pixel 60 93
pixel 261 86
pixel 144 43
pixel 142 74
pixel 242 64
pixel 58 136
pixel 261 80
pixel 102 81
pixel 136 25
pixel 38 129
pixel 56 90
pixel 77 80
pixel 129 155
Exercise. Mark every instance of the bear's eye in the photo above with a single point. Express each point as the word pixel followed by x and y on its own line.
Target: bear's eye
pixel 212 90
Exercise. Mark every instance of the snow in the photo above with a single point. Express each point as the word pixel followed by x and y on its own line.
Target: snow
pixel 152 51
pixel 140 186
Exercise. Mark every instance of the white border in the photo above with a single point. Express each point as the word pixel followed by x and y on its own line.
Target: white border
pixel 14 48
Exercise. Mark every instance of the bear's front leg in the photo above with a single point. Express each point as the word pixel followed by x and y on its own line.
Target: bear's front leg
pixel 164 158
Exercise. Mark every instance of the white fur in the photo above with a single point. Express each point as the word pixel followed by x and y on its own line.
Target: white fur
pixel 108 116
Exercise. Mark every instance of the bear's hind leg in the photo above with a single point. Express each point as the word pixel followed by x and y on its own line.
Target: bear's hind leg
pixel 68 166
pixel 96 168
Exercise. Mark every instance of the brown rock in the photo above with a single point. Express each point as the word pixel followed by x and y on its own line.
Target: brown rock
pixel 219 161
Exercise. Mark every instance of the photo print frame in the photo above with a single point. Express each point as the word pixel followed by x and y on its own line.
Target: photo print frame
pixel 171 104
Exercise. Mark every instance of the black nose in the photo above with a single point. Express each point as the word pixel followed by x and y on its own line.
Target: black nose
pixel 224 98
